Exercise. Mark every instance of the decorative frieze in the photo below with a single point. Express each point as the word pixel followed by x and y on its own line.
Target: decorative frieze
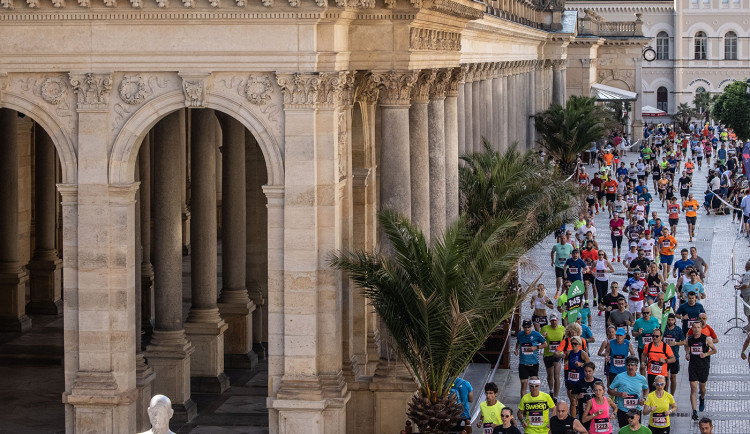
pixel 92 90
pixel 395 87
pixel 366 91
pixel 300 90
pixel 54 89
pixel 420 92
pixel 132 89
pixel 456 9
pixel 435 40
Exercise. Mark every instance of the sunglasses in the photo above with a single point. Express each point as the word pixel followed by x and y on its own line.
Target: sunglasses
pixel 659 384
pixel 575 344
pixel 632 364
pixel 631 417
pixel 534 385
pixel 507 415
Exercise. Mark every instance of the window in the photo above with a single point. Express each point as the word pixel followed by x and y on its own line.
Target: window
pixel 661 99
pixel 730 46
pixel 701 43
pixel 662 46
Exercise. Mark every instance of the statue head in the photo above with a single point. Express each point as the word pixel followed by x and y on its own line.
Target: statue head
pixel 159 413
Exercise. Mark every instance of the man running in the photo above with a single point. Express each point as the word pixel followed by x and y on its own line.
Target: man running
pixel 657 355
pixel 675 338
pixel 667 245
pixel 553 334
pixel 558 256
pixel 528 341
pixel 610 191
pixel 700 264
pixel 534 409
pixel 699 350
pixel 673 213
pixel 629 389
pixel 691 207
pixel 616 227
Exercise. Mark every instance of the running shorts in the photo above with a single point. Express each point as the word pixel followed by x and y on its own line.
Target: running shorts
pixel 673 222
pixel 691 220
pixel 549 361
pixel 666 259
pixel 616 241
pixel 610 197
pixel 635 306
pixel 526 371
pixel 560 272
pixel 674 368
pixel 698 372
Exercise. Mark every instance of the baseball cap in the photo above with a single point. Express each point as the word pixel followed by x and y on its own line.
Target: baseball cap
pixel 526 323
pixel 620 332
pixel 671 315
pixel 647 231
pixel 633 245
pixel 554 316
pixel 634 412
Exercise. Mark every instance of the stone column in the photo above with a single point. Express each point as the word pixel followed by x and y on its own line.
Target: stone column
pixel 45 267
pixel 488 104
pixel 468 110
pixel 436 134
pixel 234 304
pixel 452 124
pixel 185 174
pixel 204 326
pixel 419 151
pixel 531 132
pixel 496 108
pixel 558 84
pixel 505 109
pixel 12 277
pixel 147 270
pixel 477 113
pixel 169 351
pixel 461 113
pixel 483 103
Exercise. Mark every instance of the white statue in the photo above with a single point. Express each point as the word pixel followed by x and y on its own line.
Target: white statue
pixel 159 413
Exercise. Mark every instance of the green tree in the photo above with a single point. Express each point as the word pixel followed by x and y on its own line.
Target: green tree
pixel 564 132
pixel 703 103
pixel 732 108
pixel 683 116
pixel 440 302
pixel 493 183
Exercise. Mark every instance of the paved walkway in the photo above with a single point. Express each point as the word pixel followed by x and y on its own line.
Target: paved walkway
pixel 728 388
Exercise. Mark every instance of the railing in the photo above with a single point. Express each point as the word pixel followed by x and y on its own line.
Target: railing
pixel 519 11
pixel 589 23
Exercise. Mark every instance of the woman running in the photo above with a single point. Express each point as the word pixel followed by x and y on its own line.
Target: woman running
pixel 597 416
pixel 540 303
pixel 660 404
pixel 602 268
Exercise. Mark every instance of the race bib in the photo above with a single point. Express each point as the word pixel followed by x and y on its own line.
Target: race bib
pixel 690 323
pixel 573 376
pixel 572 270
pixel 596 189
pixel 536 418
pixel 602 425
pixel 526 350
pixel 655 367
pixel 666 244
pixel 669 340
pixel 631 401
pixel 600 274
pixel 696 349
pixel 618 361
pixel 659 420
pixel 647 339
pixel 554 344
pixel 487 428
pixel 541 320
pixel 653 291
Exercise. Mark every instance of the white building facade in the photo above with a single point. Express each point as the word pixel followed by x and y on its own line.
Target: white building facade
pixel 701 45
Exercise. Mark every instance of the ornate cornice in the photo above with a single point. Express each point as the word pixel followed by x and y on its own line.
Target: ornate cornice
pixel 92 91
pixel 395 87
pixel 420 92
pixel 450 7
pixel 434 40
pixel 300 90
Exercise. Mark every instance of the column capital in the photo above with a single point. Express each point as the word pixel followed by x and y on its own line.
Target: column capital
pixel 395 87
pixel 457 77
pixel 335 89
pixel 441 83
pixel 69 193
pixel 274 192
pixel 300 90
pixel 123 194
pixel 420 93
pixel 365 89
pixel 92 91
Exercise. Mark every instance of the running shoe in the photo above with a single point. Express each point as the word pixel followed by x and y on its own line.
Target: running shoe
pixel 600 313
pixel 618 259
pixel 702 405
pixel 695 415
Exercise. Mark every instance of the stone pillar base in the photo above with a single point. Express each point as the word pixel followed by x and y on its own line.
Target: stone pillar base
pixel 169 355
pixel 95 402
pixel 238 316
pixel 45 278
pixel 144 377
pixel 12 301
pixel 207 362
pixel 320 407
pixel 392 388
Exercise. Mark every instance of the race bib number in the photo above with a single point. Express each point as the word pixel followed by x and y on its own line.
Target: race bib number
pixel 690 323
pixel 541 320
pixel 536 418
pixel 610 189
pixel 647 339
pixel 526 350
pixel 618 208
pixel 602 425
pixel 582 181
pixel 659 420
pixel 669 340
pixel 696 349
pixel 631 401
pixel 487 428
pixel 655 367
pixel 573 376
pixel 618 361
pixel 666 244
pixel 572 270
pixel 596 189
pixel 554 344
pixel 600 274
pixel 653 291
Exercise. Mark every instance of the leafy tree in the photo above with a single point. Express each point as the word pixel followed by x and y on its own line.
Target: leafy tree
pixel 440 302
pixel 732 108
pixel 703 103
pixel 683 116
pixel 564 132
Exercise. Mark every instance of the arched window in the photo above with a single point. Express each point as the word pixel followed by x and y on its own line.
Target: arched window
pixel 730 46
pixel 661 99
pixel 701 45
pixel 662 46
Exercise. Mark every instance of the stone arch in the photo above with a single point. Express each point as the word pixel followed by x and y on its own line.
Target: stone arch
pixel 125 148
pixel 63 143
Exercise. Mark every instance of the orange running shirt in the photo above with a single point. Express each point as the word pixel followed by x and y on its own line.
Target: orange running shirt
pixel 674 210
pixel 655 367
pixel 691 208
pixel 667 245
pixel 610 187
pixel 608 158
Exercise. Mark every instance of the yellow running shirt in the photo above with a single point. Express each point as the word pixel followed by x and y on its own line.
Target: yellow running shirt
pixel 659 407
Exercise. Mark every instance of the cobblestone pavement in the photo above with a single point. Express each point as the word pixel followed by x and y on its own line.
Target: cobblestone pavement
pixel 728 388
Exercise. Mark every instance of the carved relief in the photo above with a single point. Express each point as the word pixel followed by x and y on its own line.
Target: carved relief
pixel 294 3
pixel 395 87
pixel 450 7
pixel 321 3
pixel 343 135
pixel 136 4
pixel 58 3
pixel 270 108
pixel 92 90
pixel 390 4
pixel 7 4
pixel 366 90
pixel 132 89
pixel 336 89
pixel 194 88
pixel 267 3
pixel 430 39
pixel 258 89
pixel 457 76
pixel 421 90
pixel 440 85
pixel 54 90
pixel 299 90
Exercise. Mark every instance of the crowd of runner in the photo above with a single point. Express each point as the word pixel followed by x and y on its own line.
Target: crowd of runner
pixel 649 316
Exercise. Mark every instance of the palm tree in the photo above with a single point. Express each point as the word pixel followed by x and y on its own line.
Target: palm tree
pixel 493 183
pixel 440 302
pixel 564 132
pixel 683 116
pixel 703 103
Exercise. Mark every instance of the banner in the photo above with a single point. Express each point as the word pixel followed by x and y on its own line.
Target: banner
pixel 575 300
pixel 746 157
pixel 669 301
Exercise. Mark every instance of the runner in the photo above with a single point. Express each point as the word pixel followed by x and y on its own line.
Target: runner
pixel 618 350
pixel 657 355
pixel 691 207
pixel 690 312
pixel 558 256
pixel 540 303
pixel 706 426
pixel 675 338
pixel 698 355
pixel 534 409
pixel 574 267
pixel 700 264
pixel 648 245
pixel 564 423
pixel 629 390
pixel 622 317
pixel 574 359
pixel 489 410
pixel 643 330
pixel 583 390
pixel 667 244
pixel 597 415
pixel 610 301
pixel 673 212
pixel 635 286
pixel 654 283
pixel 610 190
pixel 508 426
pixel 707 329
pixel 684 184
pixel 602 268
pixel 590 256
pixel 616 227
pixel 553 334
pixel 528 341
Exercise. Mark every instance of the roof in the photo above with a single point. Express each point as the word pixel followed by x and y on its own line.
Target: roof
pixel 608 93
